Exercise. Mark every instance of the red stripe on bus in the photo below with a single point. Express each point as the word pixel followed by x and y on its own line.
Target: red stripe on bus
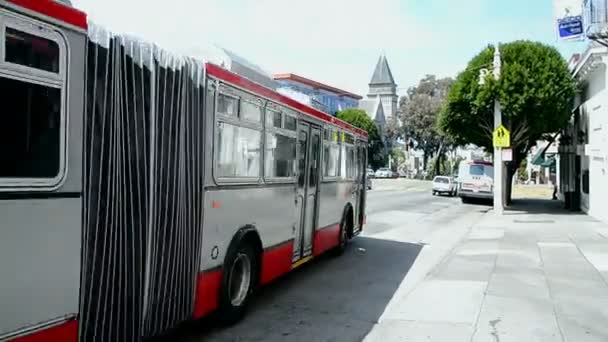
pixel 64 332
pixel 207 292
pixel 276 261
pixel 228 76
pixel 55 10
pixel 326 239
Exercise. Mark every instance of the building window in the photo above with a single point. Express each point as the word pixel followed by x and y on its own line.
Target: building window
pixel 31 51
pixel 238 152
pixel 280 156
pixel 30 134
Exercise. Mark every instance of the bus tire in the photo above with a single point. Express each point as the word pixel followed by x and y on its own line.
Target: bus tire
pixel 344 233
pixel 238 281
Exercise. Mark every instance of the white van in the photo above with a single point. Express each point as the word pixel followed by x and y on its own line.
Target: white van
pixel 476 180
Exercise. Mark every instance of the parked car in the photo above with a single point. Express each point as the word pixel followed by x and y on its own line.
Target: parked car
pixel 444 185
pixel 383 172
pixel 370 173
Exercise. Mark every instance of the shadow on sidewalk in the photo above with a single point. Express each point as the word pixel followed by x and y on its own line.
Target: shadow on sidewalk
pixel 538 206
pixel 328 299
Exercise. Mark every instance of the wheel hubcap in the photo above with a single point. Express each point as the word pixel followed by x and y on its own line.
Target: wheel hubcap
pixel 240 279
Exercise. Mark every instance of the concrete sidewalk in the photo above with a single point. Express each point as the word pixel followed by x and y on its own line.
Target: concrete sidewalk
pixel 537 273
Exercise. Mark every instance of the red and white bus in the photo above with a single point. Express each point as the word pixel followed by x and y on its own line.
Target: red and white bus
pixel 140 189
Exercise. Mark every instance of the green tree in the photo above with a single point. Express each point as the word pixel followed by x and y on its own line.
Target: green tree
pixel 398 157
pixel 358 118
pixel 419 111
pixel 522 171
pixel 536 93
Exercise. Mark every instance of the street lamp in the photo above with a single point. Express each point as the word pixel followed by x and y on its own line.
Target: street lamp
pixel 498 166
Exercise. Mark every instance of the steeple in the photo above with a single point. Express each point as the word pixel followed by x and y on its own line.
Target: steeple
pixel 382 73
pixel 380 117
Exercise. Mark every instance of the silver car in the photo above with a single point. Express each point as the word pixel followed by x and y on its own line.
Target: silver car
pixel 444 185
pixel 384 173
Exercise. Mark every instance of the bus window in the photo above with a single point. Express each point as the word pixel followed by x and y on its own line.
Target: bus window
pixel 31 51
pixel 280 156
pixel 238 152
pixel 251 111
pixel 30 131
pixel 476 170
pixel 227 105
pixel 273 118
pixel 290 123
pixel 331 160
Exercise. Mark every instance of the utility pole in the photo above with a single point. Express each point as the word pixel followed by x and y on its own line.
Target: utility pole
pixel 498 166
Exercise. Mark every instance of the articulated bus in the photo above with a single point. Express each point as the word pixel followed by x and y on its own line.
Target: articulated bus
pixel 140 189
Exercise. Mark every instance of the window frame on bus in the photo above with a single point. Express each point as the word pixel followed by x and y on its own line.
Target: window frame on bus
pixel 272 129
pixel 230 91
pixel 329 141
pixel 37 76
pixel 346 149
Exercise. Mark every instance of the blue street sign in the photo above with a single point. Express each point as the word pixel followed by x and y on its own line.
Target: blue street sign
pixel 570 27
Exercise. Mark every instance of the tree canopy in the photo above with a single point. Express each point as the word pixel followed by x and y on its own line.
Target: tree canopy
pixel 419 111
pixel 535 90
pixel 358 118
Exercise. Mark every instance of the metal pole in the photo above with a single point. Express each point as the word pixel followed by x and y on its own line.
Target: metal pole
pixel 498 167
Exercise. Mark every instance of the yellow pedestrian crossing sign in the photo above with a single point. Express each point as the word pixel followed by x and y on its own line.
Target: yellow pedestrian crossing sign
pixel 501 137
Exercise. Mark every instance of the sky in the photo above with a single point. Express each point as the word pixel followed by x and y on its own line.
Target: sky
pixel 337 42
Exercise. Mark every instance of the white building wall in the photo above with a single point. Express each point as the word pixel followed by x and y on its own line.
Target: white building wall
pixel 595 153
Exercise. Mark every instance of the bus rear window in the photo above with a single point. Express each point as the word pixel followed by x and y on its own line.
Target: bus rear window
pixel 476 170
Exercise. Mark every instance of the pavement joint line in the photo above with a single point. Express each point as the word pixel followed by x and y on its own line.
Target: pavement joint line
pixel 442 260
pixel 588 261
pixel 551 297
pixel 485 292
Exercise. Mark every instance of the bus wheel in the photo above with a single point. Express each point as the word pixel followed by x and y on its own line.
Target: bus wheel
pixel 343 242
pixel 238 282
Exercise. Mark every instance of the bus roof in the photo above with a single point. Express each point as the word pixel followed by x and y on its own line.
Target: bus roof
pixel 55 10
pixel 235 79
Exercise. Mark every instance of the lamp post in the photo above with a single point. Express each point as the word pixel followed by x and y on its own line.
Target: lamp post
pixel 498 164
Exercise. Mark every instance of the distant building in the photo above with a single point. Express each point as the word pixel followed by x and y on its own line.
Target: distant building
pixel 321 96
pixel 382 99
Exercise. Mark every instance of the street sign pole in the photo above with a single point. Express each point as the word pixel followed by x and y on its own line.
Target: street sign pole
pixel 498 167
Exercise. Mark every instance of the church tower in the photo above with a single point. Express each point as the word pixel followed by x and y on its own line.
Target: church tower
pixel 383 88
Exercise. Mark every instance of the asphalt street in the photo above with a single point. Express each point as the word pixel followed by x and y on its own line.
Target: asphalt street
pixel 341 298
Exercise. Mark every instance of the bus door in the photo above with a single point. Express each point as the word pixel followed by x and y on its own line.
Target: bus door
pixel 309 161
pixel 361 176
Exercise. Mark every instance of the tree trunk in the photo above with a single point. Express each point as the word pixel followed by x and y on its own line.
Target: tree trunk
pixel 511 170
pixel 438 159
